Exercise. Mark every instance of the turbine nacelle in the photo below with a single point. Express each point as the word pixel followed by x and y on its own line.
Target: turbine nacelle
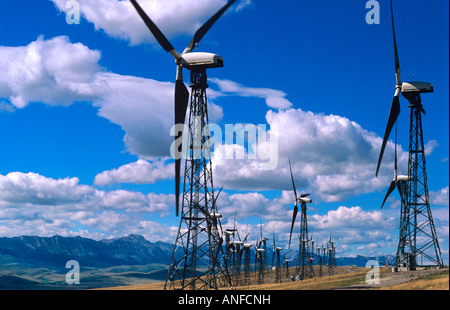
pixel 229 232
pixel 195 60
pixel 304 200
pixel 403 178
pixel 416 87
pixel 412 90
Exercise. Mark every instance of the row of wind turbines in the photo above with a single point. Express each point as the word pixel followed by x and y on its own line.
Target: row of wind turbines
pixel 200 221
pixel 237 256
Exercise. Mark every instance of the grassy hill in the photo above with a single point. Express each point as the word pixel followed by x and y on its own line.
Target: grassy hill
pixel 348 277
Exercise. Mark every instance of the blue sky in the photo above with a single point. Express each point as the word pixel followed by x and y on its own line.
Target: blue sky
pixel 85 112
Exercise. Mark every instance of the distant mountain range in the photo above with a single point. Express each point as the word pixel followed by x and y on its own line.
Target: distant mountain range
pixel 54 252
pixel 32 262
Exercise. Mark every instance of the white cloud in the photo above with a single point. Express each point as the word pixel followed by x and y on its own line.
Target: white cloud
pixel 139 172
pixel 331 156
pixel 274 98
pixel 119 19
pixel 430 146
pixel 32 188
pixel 55 72
pixel 351 217
pixel 33 204
pixel 440 197
pixel 58 72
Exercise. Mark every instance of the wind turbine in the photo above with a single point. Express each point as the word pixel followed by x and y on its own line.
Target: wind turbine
pixel 303 257
pixel 276 253
pixel 298 199
pixel 188 60
pixel 197 234
pixel 416 217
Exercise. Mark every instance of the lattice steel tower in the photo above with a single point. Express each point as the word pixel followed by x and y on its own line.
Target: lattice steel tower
pixel 419 233
pixel 247 269
pixel 304 261
pixel 331 256
pixel 198 248
pixel 276 254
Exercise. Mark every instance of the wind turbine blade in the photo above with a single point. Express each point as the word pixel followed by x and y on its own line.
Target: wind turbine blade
pixel 160 37
pixel 292 177
pixel 273 238
pixel 393 115
pixel 246 236
pixel 397 62
pixel 400 191
pixel 217 196
pixel 395 152
pixel 395 106
pixel 239 237
pixel 181 103
pixel 273 255
pixel 390 190
pixel 200 33
pixel 294 215
pixel 177 186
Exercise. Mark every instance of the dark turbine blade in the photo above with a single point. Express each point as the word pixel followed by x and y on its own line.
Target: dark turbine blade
pixel 294 215
pixel 395 152
pixel 153 28
pixel 400 190
pixel 177 185
pixel 206 26
pixel 393 115
pixel 292 177
pixel 273 256
pixel 390 190
pixel 397 62
pixel 181 103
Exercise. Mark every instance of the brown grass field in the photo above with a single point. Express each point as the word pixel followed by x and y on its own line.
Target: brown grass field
pixel 347 277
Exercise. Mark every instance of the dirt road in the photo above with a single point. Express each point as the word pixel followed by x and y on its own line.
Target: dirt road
pixel 388 278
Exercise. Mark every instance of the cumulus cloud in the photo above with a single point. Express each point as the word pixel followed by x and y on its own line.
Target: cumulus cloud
pixel 58 72
pixel 351 217
pixel 32 188
pixel 119 19
pixel 440 197
pixel 330 155
pixel 430 146
pixel 35 204
pixel 350 227
pixel 55 72
pixel 139 172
